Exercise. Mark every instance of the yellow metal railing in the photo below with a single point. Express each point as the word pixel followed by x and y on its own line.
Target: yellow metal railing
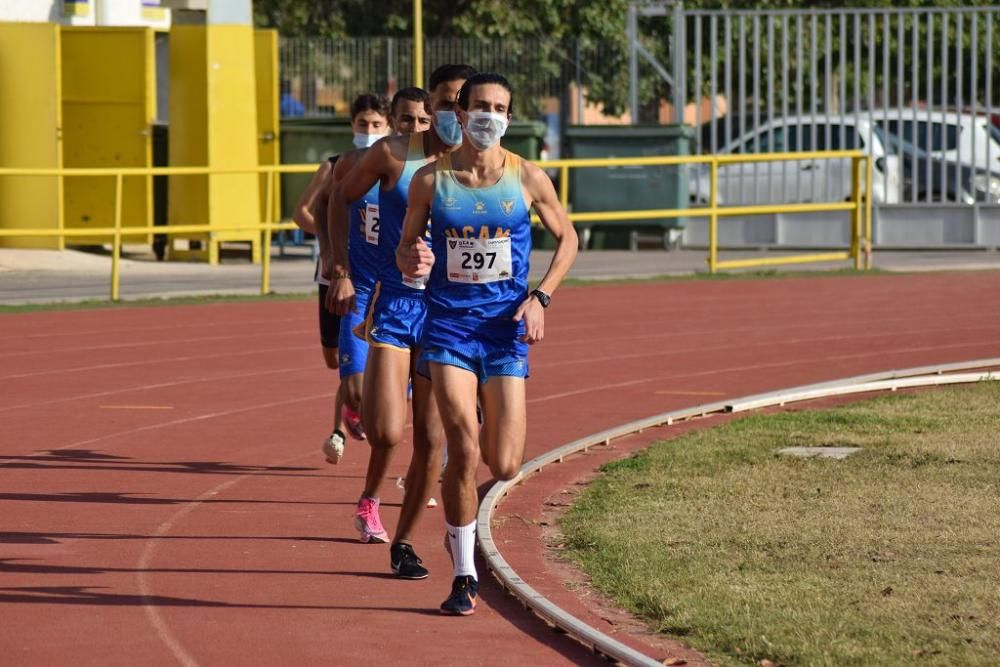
pixel 859 205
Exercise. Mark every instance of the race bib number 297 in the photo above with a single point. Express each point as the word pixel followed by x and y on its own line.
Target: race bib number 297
pixel 479 260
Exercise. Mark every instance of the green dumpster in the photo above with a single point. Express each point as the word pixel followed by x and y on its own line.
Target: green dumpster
pixel 309 141
pixel 628 188
pixel 525 138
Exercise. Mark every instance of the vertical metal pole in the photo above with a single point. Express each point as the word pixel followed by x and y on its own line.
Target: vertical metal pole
pixel 944 96
pixel 785 71
pixel 827 97
pixel 973 84
pixel 799 87
pixel 116 241
pixel 856 211
pixel 868 213
pixel 914 89
pixel 679 51
pixel 755 38
pixel 564 186
pixel 697 77
pixel 960 67
pixel 713 214
pixel 712 58
pixel 265 257
pixel 418 43
pixel 928 175
pixel 989 80
pixel 727 39
pixel 886 75
pixel 632 28
pixel 579 86
pixel 741 83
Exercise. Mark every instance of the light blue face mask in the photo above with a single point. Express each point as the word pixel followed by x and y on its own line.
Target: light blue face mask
pixel 447 127
pixel 362 140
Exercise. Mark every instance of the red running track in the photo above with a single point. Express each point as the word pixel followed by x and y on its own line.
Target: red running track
pixel 164 498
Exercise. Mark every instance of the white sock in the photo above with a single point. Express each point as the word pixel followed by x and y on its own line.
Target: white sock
pixel 463 549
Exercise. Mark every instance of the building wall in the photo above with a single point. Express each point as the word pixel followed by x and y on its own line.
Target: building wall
pixel 87 12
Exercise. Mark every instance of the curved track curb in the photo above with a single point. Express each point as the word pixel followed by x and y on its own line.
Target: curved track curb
pixel 602 643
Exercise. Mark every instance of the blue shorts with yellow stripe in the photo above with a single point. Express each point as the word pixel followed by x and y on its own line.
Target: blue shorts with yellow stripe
pixel 394 320
pixel 488 348
pixel 354 350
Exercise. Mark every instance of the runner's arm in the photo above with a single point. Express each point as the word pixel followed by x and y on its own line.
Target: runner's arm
pixel 542 197
pixel 303 213
pixel 414 257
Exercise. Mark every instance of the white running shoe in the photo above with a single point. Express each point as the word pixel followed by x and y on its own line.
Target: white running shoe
pixel 333 447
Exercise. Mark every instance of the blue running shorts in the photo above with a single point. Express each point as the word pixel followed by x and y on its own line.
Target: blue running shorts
pixel 488 348
pixel 354 350
pixel 394 320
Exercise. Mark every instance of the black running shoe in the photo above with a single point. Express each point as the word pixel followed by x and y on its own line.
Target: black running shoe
pixel 462 601
pixel 405 562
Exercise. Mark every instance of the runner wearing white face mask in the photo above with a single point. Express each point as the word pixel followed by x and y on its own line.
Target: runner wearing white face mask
pixel 370 122
pixel 481 313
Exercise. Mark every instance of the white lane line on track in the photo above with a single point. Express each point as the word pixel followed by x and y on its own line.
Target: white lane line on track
pixel 687 351
pixel 171 327
pixel 160 626
pixel 150 362
pixel 159 343
pixel 185 420
pixel 159 385
pixel 751 367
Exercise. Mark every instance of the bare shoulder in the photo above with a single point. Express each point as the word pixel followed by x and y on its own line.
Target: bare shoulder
pixel 534 179
pixel 424 177
pixel 393 148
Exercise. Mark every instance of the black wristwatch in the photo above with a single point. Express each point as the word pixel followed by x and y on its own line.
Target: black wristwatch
pixel 542 297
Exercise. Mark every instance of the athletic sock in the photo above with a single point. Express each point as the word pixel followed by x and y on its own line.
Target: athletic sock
pixel 463 549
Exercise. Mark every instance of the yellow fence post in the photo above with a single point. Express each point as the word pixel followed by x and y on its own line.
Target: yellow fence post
pixel 868 213
pixel 564 186
pixel 116 243
pixel 713 216
pixel 265 257
pixel 856 212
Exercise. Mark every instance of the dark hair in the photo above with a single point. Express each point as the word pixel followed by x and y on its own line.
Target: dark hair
pixel 412 94
pixel 446 73
pixel 368 102
pixel 482 79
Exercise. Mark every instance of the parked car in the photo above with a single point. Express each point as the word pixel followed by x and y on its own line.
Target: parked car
pixel 930 179
pixel 945 156
pixel 802 181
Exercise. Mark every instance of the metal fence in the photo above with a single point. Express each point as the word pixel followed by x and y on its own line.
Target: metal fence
pixel 917 89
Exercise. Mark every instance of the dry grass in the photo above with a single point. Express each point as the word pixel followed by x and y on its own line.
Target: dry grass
pixel 889 557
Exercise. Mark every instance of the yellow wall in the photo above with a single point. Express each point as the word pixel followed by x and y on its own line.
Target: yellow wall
pixel 268 131
pixel 30 121
pixel 188 124
pixel 109 104
pixel 232 126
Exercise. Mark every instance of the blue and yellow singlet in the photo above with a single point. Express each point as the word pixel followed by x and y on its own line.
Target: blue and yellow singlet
pixel 481 243
pixel 392 208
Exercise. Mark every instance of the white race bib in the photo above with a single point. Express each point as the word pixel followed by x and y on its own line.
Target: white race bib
pixel 479 260
pixel 371 223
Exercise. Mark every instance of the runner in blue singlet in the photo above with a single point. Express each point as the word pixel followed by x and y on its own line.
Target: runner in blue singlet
pixel 394 323
pixel 481 314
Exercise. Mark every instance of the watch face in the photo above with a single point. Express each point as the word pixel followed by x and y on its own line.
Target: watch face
pixel 542 297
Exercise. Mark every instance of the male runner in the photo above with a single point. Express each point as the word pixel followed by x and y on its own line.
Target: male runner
pixel 481 315
pixel 394 323
pixel 370 122
pixel 408 113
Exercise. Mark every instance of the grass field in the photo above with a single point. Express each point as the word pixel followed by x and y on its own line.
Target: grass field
pixel 889 557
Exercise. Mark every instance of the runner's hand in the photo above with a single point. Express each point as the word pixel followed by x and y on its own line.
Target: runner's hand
pixel 340 296
pixel 534 320
pixel 416 259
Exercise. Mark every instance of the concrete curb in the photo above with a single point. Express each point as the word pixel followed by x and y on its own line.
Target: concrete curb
pixel 602 643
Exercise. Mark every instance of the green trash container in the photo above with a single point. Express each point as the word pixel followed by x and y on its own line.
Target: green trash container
pixel 309 141
pixel 628 188
pixel 525 138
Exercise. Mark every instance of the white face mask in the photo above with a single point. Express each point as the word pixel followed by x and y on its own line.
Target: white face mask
pixel 366 140
pixel 485 128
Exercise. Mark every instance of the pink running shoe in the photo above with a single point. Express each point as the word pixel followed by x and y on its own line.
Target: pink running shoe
pixel 368 523
pixel 352 420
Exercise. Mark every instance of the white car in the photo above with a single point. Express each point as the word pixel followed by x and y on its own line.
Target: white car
pixel 801 181
pixel 966 139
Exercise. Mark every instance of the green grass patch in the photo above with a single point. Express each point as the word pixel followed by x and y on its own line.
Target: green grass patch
pixel 889 557
pixel 153 302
